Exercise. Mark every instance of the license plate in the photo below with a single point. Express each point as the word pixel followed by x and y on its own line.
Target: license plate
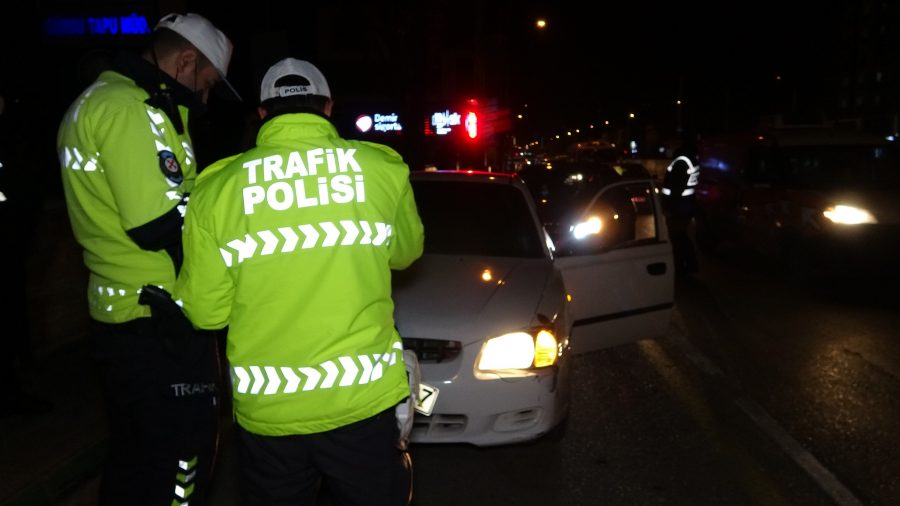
pixel 427 398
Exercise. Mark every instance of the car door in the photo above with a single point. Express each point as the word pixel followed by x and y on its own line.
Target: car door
pixel 616 260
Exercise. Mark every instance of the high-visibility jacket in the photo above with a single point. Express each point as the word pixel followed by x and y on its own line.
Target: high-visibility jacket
pixel 291 245
pixel 681 178
pixel 124 166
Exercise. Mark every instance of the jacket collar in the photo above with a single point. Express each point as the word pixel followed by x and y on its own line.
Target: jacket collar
pixel 146 75
pixel 293 126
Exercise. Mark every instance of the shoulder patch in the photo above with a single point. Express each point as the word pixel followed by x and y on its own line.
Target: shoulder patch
pixel 170 167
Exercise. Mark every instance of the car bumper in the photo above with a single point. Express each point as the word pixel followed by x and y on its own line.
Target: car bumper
pixel 487 412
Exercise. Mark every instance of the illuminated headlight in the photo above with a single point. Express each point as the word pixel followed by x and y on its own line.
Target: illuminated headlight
pixel 574 178
pixel 591 226
pixel 849 215
pixel 519 350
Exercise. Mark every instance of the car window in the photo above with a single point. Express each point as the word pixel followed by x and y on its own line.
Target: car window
pixel 468 218
pixel 829 167
pixel 566 187
pixel 762 168
pixel 625 216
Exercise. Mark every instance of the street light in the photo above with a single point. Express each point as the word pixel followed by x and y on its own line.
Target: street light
pixel 678 113
pixel 540 23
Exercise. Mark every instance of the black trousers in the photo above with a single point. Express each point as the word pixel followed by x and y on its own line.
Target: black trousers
pixel 679 213
pixel 163 415
pixel 359 464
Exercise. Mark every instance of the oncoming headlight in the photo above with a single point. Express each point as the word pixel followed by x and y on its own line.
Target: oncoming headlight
pixel 848 215
pixel 590 226
pixel 519 351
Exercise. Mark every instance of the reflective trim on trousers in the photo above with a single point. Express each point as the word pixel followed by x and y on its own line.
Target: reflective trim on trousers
pixel 184 482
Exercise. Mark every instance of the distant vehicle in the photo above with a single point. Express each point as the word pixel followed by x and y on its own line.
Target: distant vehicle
pixel 561 187
pixel 494 314
pixel 811 198
pixel 631 169
pixel 593 151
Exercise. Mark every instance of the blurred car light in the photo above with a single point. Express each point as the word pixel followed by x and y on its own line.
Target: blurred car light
pixel 591 226
pixel 848 215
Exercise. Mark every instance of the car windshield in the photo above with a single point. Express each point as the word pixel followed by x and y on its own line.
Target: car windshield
pixel 567 187
pixel 830 167
pixel 468 218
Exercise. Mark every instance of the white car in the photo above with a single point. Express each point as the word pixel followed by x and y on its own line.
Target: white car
pixel 494 313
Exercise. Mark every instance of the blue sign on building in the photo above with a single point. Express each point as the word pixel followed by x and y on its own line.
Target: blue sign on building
pixel 79 26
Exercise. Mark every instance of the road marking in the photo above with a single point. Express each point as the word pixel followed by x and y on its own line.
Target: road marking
pixel 829 483
pixel 758 415
pixel 694 356
pixel 754 481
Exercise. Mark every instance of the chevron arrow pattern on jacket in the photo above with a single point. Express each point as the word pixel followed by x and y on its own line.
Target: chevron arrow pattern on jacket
pixel 342 372
pixel 324 234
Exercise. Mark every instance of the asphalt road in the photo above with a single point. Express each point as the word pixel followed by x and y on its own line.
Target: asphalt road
pixel 761 393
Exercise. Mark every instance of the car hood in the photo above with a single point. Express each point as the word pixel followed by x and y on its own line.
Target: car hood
pixel 447 296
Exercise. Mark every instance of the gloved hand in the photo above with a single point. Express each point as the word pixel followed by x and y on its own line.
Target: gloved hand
pixel 173 328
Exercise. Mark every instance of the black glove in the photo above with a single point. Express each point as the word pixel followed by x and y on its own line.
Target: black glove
pixel 173 328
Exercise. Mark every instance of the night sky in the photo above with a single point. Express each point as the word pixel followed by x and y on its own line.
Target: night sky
pixel 594 61
pixel 641 56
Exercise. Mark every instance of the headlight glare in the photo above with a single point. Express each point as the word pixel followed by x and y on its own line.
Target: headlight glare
pixel 509 351
pixel 591 226
pixel 848 215
pixel 519 350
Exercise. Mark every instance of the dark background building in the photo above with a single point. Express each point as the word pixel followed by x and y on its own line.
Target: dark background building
pixel 626 71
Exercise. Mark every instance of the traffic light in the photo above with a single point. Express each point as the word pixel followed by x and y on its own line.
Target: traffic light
pixel 471 125
pixel 471 122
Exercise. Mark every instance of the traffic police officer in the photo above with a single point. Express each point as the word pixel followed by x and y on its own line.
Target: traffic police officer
pixel 679 183
pixel 127 167
pixel 291 245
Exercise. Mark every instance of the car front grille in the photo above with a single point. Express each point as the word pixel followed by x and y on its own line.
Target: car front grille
pixel 432 350
pixel 438 426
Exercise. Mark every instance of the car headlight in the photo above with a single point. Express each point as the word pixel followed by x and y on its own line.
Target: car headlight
pixel 590 226
pixel 848 215
pixel 519 350
pixel 574 178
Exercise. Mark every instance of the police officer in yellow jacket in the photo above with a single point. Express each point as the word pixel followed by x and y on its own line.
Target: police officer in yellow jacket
pixel 127 166
pixel 291 245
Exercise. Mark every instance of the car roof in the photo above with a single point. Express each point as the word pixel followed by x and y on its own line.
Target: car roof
pixel 465 175
pixel 599 173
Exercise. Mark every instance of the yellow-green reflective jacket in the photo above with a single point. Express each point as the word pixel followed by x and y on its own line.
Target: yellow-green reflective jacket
pixel 123 166
pixel 291 245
